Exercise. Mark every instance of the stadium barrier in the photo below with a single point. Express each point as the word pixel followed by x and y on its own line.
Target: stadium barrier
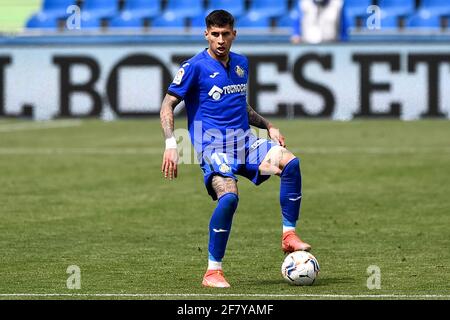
pixel 336 81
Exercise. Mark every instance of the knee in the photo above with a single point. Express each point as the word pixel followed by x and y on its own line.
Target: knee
pixel 291 167
pixel 282 157
pixel 229 200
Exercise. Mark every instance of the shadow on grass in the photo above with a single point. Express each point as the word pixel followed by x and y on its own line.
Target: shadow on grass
pixel 330 280
pixel 320 282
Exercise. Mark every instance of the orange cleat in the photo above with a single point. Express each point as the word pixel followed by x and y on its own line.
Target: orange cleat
pixel 291 242
pixel 215 279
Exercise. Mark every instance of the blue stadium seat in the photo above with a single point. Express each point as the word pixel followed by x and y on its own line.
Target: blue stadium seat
pixel 142 8
pixel 235 7
pixel 254 21
pixel 47 17
pixel 424 19
pixel 390 21
pixel 134 13
pixel 91 24
pixel 57 8
pixel 355 9
pixel 99 9
pixel 268 8
pixel 185 8
pixel 288 20
pixel 126 21
pixel 436 7
pixel 198 21
pixel 168 20
pixel 42 21
pixel 94 11
pixel 397 7
pixel 393 10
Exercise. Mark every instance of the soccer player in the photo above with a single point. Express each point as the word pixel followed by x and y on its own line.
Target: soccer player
pixel 213 85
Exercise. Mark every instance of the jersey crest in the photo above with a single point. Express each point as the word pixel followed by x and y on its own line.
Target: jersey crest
pixel 239 71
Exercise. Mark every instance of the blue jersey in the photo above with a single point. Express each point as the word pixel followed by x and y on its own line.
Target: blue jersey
pixel 215 98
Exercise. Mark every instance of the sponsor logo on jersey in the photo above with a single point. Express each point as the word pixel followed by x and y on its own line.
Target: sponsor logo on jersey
pixel 215 74
pixel 215 93
pixel 235 88
pixel 239 71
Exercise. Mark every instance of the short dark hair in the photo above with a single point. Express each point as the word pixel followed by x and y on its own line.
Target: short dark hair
pixel 219 18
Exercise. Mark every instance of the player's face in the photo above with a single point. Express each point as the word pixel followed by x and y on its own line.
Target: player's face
pixel 220 40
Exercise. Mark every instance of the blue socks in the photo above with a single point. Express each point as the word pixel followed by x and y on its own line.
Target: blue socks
pixel 220 225
pixel 290 201
pixel 291 193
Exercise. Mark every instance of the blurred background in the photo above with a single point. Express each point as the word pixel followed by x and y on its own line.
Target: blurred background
pixel 308 58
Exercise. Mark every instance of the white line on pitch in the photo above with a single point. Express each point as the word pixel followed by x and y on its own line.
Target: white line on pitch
pixel 21 126
pixel 157 151
pixel 81 151
pixel 143 295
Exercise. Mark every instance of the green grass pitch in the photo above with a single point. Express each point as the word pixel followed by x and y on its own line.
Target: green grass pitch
pixel 91 194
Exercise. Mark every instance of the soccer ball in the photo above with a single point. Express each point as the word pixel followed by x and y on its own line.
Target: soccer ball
pixel 300 268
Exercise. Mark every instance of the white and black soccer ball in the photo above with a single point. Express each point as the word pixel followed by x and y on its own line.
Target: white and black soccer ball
pixel 300 268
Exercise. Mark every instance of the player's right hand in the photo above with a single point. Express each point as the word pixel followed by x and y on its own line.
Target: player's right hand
pixel 169 163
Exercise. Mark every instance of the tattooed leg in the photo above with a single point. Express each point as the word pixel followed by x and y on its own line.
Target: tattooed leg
pixel 275 161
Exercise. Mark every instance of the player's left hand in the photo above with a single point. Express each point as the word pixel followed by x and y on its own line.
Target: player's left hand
pixel 276 135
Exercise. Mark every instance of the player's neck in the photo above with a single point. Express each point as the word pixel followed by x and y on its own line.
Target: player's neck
pixel 223 60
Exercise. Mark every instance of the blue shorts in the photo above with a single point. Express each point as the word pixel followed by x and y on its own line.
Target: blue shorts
pixel 242 160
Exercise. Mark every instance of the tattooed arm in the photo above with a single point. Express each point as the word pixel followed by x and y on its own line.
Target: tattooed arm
pixel 170 157
pixel 255 119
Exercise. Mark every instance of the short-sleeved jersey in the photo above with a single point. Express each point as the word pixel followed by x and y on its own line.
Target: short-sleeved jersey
pixel 215 96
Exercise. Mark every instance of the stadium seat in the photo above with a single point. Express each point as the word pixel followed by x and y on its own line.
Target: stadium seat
pixel 235 7
pixel 268 8
pixel 394 10
pixel 397 8
pixel 354 10
pixel 42 21
pixel 198 21
pixel 390 21
pixel 91 24
pixel 94 11
pixel 51 11
pixel 126 21
pixel 184 8
pixel 57 8
pixel 142 8
pixel 168 20
pixel 424 19
pixel 436 7
pixel 100 9
pixel 288 20
pixel 254 21
pixel 135 12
